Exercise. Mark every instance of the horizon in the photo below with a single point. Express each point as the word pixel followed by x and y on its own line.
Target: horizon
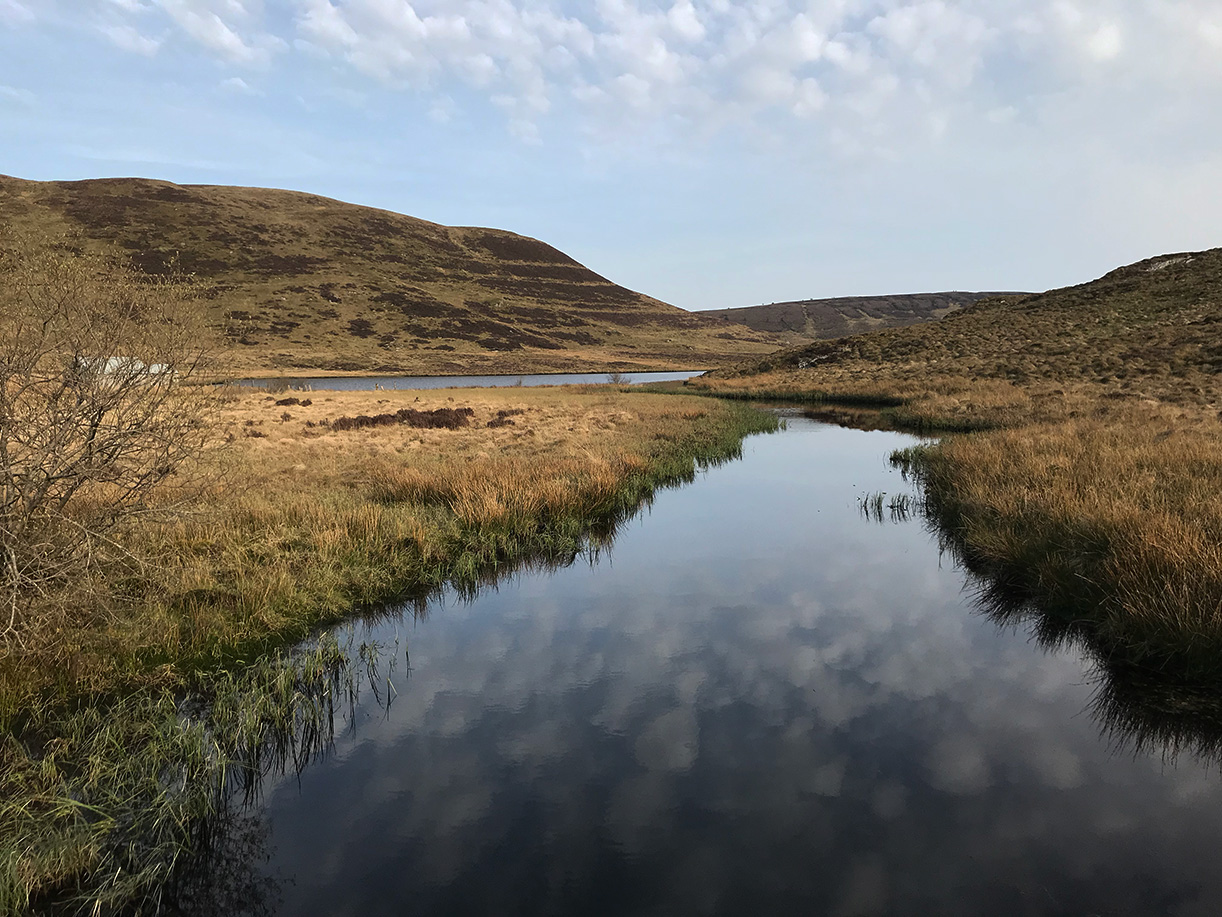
pixel 706 154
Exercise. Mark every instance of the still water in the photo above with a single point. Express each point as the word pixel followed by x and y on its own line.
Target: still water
pixel 759 702
pixel 370 383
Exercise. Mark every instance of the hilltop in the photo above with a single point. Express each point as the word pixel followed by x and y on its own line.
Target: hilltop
pixel 847 315
pixel 297 282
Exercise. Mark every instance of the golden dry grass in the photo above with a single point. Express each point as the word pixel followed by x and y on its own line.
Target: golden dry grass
pixel 1111 518
pixel 303 523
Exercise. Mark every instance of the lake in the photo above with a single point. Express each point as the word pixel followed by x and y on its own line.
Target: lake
pixel 759 701
pixel 371 383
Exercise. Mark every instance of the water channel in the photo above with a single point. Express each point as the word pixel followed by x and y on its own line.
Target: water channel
pixel 759 701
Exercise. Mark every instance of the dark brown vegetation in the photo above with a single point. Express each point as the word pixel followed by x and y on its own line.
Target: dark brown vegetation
pixel 297 282
pixel 846 315
pixel 438 419
pixel 1092 489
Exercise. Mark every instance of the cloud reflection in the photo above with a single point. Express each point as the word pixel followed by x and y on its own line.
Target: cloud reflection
pixel 814 721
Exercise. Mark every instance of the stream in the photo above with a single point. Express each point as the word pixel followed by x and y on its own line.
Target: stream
pixel 759 700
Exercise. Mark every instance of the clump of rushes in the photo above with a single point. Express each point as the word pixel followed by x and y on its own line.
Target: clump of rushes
pixel 122 745
pixel 115 804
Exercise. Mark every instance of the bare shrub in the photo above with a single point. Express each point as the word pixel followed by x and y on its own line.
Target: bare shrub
pixel 96 416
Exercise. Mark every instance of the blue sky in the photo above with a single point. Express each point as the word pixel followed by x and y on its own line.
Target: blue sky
pixel 705 152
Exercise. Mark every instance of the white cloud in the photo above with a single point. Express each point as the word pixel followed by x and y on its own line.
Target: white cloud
pixel 130 39
pixel 1106 43
pixel 685 21
pixel 21 97
pixel 860 70
pixel 238 85
pixel 230 29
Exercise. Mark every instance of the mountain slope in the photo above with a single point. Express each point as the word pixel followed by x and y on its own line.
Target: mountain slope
pixel 300 282
pixel 846 315
pixel 1152 328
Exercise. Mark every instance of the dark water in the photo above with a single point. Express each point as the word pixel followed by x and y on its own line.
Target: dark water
pixel 370 383
pixel 761 703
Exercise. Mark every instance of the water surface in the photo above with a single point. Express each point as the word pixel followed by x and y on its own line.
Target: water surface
pixel 760 702
pixel 371 383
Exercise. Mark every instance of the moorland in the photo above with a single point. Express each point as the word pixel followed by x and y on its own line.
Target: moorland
pixel 304 285
pixel 1078 468
pixel 842 316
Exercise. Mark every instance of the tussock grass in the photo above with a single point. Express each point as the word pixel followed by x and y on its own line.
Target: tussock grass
pixel 1111 519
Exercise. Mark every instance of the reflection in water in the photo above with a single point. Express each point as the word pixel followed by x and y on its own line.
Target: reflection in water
pixel 283 715
pixel 761 703
pixel 1137 709
pixel 225 873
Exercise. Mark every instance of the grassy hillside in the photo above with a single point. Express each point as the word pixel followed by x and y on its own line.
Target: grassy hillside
pixel 838 317
pixel 1091 488
pixel 1149 330
pixel 300 282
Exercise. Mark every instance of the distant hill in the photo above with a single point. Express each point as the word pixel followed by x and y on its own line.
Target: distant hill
pixel 303 283
pixel 1151 328
pixel 842 316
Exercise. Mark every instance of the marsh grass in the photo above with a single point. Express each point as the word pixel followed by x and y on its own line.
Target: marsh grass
pixel 116 805
pixel 1112 523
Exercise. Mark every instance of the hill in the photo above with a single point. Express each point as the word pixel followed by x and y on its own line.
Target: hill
pixel 1152 329
pixel 846 315
pixel 297 282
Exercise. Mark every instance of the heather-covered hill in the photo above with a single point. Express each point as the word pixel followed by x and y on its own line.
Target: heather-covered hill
pixel 301 282
pixel 841 316
pixel 1153 328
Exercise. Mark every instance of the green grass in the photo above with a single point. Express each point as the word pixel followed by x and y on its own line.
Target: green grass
pixel 106 806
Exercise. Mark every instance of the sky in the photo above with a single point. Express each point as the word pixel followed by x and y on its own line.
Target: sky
pixel 711 154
